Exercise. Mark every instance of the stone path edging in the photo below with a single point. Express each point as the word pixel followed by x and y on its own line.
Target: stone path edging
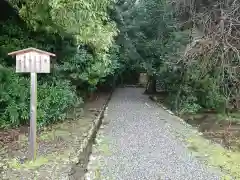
pixel 172 113
pixel 90 135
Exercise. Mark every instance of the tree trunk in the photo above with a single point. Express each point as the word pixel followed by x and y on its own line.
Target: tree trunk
pixel 91 96
pixel 151 86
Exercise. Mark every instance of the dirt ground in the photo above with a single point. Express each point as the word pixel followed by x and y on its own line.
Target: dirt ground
pixel 221 129
pixel 54 143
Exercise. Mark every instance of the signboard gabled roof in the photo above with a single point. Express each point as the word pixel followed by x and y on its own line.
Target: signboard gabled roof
pixel 29 50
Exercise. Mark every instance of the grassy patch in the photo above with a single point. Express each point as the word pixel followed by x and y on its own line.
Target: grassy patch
pixel 40 161
pixel 54 134
pixel 104 147
pixel 101 149
pixel 15 163
pixel 216 155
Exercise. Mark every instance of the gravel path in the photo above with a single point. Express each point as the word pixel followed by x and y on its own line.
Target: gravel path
pixel 138 142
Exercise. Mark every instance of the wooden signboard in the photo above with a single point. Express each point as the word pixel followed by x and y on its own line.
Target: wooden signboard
pixel 33 61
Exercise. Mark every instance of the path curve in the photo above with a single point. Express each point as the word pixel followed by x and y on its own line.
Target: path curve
pixel 139 143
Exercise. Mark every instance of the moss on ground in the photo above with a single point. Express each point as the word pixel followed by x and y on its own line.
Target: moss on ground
pixel 216 155
pixel 103 147
pixel 15 163
pixel 40 161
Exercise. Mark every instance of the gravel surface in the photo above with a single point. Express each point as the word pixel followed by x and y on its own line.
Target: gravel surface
pixel 138 142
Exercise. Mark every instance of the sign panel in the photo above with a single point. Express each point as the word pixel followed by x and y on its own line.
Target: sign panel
pixel 32 62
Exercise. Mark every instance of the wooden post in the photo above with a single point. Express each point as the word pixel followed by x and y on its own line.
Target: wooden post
pixel 33 61
pixel 33 117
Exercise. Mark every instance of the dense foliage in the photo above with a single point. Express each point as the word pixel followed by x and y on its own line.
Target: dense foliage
pixel 81 33
pixel 100 41
pixel 190 46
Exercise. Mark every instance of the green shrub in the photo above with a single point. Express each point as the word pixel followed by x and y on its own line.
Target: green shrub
pixel 53 100
pixel 14 98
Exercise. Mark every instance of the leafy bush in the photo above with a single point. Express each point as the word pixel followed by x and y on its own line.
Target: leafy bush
pixel 87 70
pixel 49 31
pixel 53 100
pixel 14 99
